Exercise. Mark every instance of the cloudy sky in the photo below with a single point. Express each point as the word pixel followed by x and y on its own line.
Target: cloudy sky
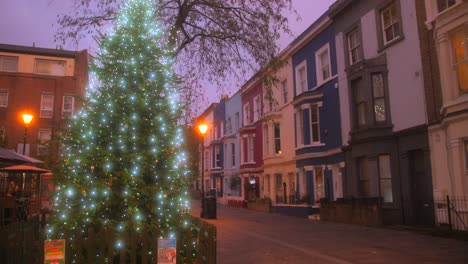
pixel 24 22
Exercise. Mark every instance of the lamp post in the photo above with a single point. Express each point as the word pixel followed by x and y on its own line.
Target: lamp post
pixel 202 128
pixel 26 119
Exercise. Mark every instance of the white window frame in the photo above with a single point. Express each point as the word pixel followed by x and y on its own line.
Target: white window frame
pixel 356 47
pixel 318 105
pixel 217 156
pixel 251 149
pixel 66 111
pixel 301 84
pixel 46 109
pixel 257 108
pixel 319 67
pixel 284 87
pixel 4 100
pixel 394 19
pixel 246 112
pixel 455 63
pixel 233 155
pixel 266 139
pixel 447 5
pixel 277 140
pixel 41 148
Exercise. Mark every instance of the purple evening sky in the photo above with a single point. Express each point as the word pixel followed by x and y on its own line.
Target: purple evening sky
pixel 24 22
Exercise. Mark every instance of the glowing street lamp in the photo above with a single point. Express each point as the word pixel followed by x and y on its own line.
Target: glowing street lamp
pixel 26 120
pixel 202 128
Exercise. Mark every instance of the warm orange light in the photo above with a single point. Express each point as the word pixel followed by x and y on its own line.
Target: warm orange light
pixel 27 119
pixel 202 128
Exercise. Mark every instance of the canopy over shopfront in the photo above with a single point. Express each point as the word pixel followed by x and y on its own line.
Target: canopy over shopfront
pixel 10 157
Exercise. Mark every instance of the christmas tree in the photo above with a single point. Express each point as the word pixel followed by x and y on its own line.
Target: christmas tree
pixel 123 167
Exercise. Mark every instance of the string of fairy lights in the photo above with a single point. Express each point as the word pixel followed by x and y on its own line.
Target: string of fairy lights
pixel 123 167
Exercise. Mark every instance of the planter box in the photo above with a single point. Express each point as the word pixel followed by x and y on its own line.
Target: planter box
pixel 366 212
pixel 259 206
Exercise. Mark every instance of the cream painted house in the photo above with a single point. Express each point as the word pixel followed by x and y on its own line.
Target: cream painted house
pixel 279 168
pixel 448 138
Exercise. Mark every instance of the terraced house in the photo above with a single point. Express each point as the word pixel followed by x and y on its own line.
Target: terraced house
pixel 45 83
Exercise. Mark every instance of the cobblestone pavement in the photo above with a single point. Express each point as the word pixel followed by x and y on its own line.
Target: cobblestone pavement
pixel 246 236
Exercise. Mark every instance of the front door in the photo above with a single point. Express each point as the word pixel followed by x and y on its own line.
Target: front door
pixel 421 189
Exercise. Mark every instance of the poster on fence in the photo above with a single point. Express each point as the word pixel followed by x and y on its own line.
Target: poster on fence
pixel 167 250
pixel 54 251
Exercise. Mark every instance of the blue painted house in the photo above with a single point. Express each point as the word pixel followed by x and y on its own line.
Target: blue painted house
pixel 216 147
pixel 318 140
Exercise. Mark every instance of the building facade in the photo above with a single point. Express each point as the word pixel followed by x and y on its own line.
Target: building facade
pixel 251 140
pixel 232 181
pixel 448 20
pixel 318 155
pixel 46 83
pixel 383 107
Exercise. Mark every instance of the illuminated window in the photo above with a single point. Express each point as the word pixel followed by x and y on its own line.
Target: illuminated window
pixel 378 93
pixel 460 57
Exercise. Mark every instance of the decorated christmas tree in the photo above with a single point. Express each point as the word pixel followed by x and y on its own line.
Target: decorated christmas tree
pixel 122 164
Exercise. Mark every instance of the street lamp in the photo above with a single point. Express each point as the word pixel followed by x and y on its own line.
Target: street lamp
pixel 26 119
pixel 202 127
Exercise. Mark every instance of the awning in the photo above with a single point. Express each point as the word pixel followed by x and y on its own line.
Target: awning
pixel 10 156
pixel 24 168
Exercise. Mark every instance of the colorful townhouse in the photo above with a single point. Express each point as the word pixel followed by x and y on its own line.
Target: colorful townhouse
pixel 279 180
pixel 216 147
pixel 251 149
pixel 448 138
pixel 232 181
pixel 45 83
pixel 318 155
pixel 383 107
pixel 206 117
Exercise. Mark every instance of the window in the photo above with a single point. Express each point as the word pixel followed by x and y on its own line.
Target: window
pixel 68 105
pixel 359 102
pixel 237 121
pixel 233 154
pixel 279 188
pixel 9 63
pixel 44 136
pixel 314 118
pixel 229 126
pixel 49 67
pixel 217 156
pixel 390 23
pixel 284 86
pixel 444 4
pixel 3 99
pixel 251 149
pixel 266 141
pixel 385 176
pixel 378 97
pixel 322 59
pixel 354 46
pixel 277 139
pixel 364 177
pixel 301 78
pixel 319 184
pixel 460 57
pixel 246 114
pixel 257 108
pixel 47 105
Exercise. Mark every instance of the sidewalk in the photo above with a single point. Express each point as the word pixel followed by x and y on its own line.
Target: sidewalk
pixel 246 236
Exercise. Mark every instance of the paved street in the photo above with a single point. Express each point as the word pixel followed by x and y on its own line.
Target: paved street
pixel 246 236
